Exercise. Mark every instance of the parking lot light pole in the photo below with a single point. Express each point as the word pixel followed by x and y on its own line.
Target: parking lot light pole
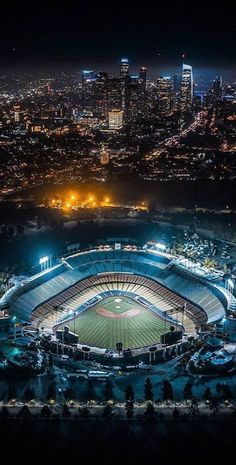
pixel 14 327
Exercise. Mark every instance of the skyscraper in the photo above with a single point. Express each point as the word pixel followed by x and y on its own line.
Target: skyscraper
pixel 88 91
pixel 164 93
pixel 186 98
pixel 217 87
pixel 143 75
pixel 101 93
pixel 177 83
pixel 142 87
pixel 132 104
pixel 113 94
pixel 124 75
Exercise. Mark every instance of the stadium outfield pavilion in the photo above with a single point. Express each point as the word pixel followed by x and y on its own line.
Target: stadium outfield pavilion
pixel 129 295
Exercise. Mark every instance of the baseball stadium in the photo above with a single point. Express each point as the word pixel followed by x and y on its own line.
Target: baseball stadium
pixel 119 295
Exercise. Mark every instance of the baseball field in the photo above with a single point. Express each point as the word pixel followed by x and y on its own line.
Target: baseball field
pixel 118 319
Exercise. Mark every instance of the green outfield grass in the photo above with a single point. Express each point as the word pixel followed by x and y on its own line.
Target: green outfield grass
pixel 97 330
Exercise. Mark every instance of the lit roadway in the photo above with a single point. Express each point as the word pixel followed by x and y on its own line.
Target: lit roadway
pixel 164 408
pixel 201 121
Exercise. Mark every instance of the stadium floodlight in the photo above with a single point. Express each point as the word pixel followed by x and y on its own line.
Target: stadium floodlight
pixel 160 246
pixel 43 260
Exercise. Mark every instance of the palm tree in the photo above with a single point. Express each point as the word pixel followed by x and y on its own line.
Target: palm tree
pixel 207 394
pixel 167 390
pixel 108 391
pixel 4 412
pixel 29 394
pixel 91 395
pixel 45 411
pixel 150 412
pixel 175 413
pixel 129 409
pixel 51 392
pixel 107 412
pixel 187 392
pixel 24 412
pixel 213 405
pixel 65 411
pixel 129 393
pixel 148 392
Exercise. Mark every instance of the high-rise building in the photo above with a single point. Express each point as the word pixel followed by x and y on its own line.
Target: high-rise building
pixel 186 97
pixel 142 87
pixel 177 83
pixel 88 91
pixel 218 87
pixel 113 94
pixel 133 96
pixel 143 75
pixel 124 75
pixel 100 93
pixel 115 119
pixel 164 93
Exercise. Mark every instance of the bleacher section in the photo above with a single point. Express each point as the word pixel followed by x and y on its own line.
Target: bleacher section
pixel 75 298
pixel 84 275
pixel 111 256
pixel 197 293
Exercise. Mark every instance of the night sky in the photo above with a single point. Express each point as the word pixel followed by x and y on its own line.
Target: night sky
pixel 92 30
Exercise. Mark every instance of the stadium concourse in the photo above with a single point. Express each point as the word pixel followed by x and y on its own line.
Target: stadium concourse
pixel 107 296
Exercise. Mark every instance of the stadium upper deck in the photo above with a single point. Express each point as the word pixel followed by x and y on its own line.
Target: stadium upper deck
pixel 162 277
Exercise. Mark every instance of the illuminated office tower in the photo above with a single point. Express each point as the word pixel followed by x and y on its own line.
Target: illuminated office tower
pixel 186 97
pixel 124 75
pixel 115 119
pixel 218 87
pixel 133 96
pixel 143 75
pixel 100 93
pixel 88 91
pixel 176 91
pixel 177 83
pixel 142 87
pixel 113 94
pixel 164 93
